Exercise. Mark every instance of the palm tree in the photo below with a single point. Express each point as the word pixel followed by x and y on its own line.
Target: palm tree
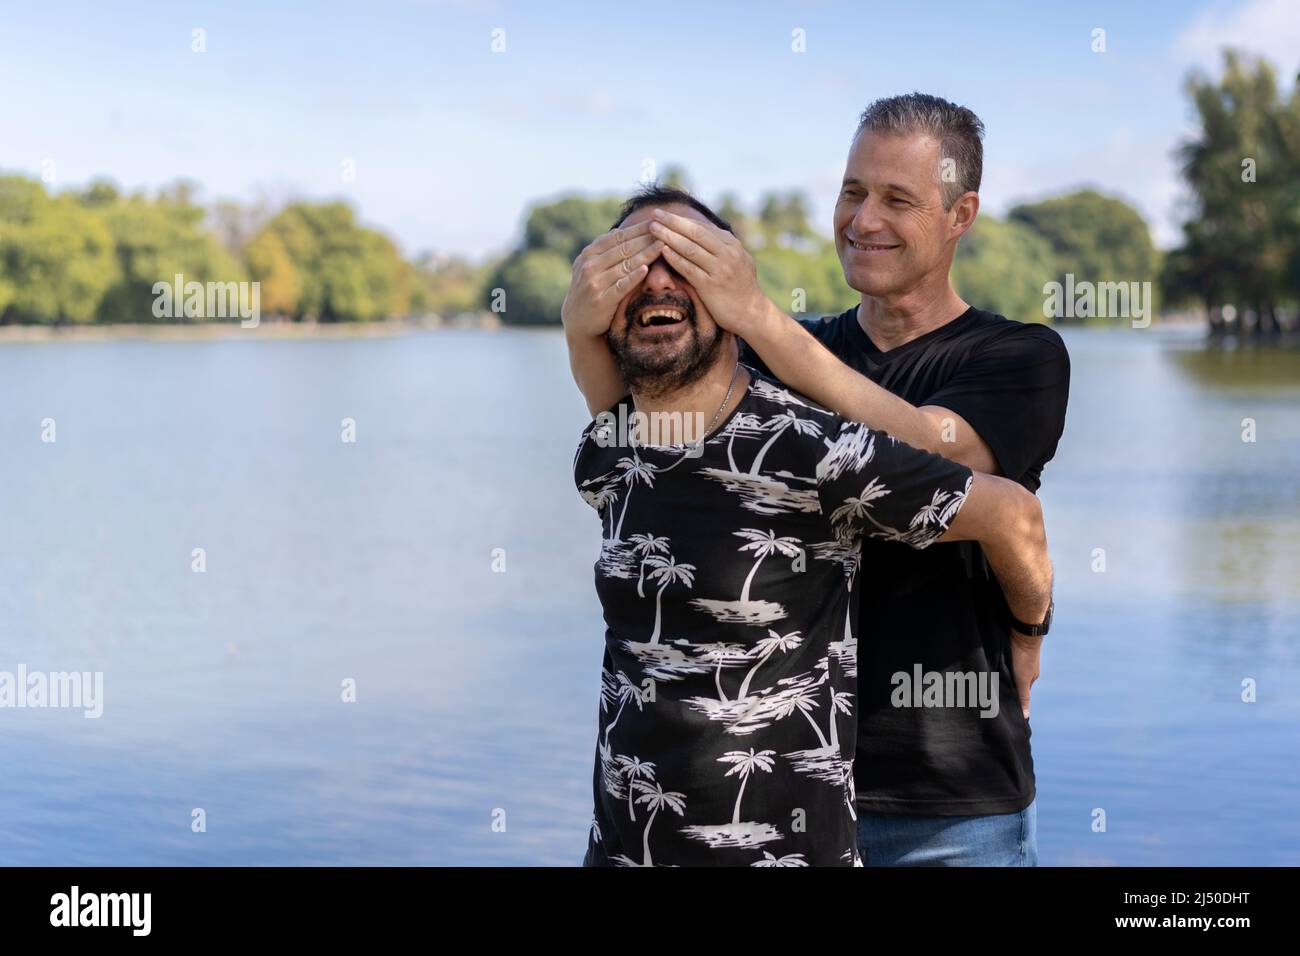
pixel 790 859
pixel 765 648
pixel 777 425
pixel 634 470
pixel 633 769
pixel 842 703
pixel 626 691
pixel 667 570
pixel 656 798
pixel 720 653
pixel 744 764
pixel 804 700
pixel 742 422
pixel 645 545
pixel 854 509
pixel 940 509
pixel 764 543
pixel 600 499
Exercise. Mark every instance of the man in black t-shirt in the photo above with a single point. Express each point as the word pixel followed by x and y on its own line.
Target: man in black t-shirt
pixel 938 781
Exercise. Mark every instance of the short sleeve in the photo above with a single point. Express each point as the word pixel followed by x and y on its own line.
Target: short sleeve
pixel 872 485
pixel 1013 392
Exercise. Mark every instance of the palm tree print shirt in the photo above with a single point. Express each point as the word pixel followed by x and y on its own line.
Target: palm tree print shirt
pixel 728 688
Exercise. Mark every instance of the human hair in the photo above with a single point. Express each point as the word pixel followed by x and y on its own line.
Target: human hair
pixel 656 195
pixel 958 130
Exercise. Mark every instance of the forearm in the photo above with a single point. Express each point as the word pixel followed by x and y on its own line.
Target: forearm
pixel 594 371
pixel 1018 557
pixel 800 361
pixel 1007 521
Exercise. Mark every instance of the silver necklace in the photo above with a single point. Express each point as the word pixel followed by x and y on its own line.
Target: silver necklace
pixel 689 446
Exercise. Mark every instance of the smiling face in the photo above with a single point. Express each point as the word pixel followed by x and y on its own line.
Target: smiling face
pixel 891 229
pixel 662 336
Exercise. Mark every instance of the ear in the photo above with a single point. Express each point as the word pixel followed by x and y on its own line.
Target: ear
pixel 963 213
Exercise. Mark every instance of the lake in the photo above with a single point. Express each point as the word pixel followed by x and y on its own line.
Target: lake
pixel 370 564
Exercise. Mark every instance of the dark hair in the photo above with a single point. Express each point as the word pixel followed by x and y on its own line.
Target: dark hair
pixel 958 130
pixel 656 195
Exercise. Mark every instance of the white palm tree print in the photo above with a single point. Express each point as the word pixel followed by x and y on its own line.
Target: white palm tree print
pixel 777 425
pixel 940 510
pixel 635 770
pixel 744 425
pixel 656 798
pixel 804 700
pixel 790 859
pixel 667 571
pixel 643 546
pixel 634 471
pixel 857 507
pixel 745 763
pixel 764 649
pixel 764 543
pixel 623 692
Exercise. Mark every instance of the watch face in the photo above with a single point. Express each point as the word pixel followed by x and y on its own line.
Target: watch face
pixel 1047 621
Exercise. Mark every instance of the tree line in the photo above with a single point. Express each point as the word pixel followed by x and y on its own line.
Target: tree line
pixel 95 254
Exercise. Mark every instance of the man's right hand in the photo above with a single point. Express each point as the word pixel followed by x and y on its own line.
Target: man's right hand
pixel 603 273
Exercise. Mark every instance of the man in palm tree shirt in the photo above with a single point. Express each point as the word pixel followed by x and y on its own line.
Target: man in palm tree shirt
pixel 727 720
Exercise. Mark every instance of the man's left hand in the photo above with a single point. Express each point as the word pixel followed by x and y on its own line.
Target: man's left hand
pixel 717 265
pixel 1025 653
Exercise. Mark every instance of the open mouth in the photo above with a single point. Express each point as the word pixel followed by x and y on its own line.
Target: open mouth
pixel 659 315
pixel 871 246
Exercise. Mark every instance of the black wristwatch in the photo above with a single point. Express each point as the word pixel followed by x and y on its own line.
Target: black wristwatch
pixel 1033 630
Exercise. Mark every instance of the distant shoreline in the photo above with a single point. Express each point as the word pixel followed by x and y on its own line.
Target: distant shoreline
pixel 282 329
pixel 266 329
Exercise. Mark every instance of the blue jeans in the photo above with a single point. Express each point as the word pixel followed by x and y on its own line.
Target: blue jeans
pixel 1001 839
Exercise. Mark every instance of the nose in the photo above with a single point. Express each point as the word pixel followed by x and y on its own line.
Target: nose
pixel 867 221
pixel 661 278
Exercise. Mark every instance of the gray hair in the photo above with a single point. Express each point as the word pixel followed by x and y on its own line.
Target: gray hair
pixel 958 130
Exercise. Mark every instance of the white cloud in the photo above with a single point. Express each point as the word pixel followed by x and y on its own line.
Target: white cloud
pixel 1270 28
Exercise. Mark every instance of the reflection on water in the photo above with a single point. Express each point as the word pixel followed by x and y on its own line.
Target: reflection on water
pixel 476 691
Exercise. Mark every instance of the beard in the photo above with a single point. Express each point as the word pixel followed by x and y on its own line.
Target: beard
pixel 656 370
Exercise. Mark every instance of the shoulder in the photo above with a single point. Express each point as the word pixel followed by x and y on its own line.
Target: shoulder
pixel 768 395
pixel 998 336
pixel 597 444
pixel 805 426
pixel 827 328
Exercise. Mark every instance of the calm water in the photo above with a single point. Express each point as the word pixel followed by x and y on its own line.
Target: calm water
pixel 476 691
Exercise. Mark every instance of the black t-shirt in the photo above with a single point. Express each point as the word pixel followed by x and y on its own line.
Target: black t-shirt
pixel 1010 382
pixel 728 686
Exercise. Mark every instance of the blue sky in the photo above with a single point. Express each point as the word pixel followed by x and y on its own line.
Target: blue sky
pixel 451 141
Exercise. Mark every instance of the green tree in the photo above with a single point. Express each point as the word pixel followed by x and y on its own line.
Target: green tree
pixel 1094 237
pixel 730 210
pixel 567 224
pixel 535 282
pixel 448 285
pixel 1242 242
pixel 783 218
pixel 810 275
pixel 1002 266
pixel 270 264
pixel 345 271
pixel 56 257
pixel 154 241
